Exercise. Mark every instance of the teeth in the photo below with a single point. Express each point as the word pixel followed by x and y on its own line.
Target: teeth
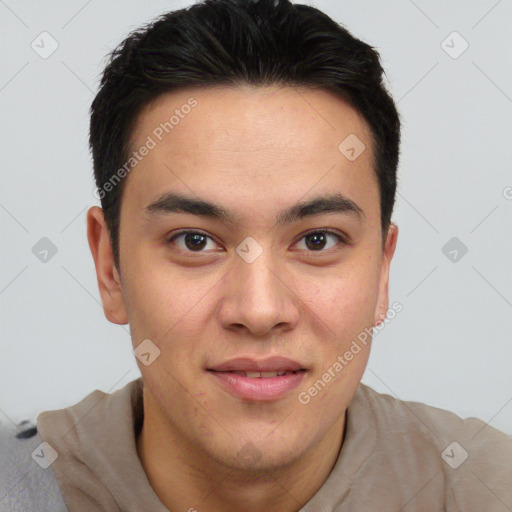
pixel 265 375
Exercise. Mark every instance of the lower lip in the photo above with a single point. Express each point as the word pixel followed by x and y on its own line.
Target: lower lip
pixel 258 388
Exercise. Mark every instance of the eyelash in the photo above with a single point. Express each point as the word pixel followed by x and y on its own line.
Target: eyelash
pixel 340 237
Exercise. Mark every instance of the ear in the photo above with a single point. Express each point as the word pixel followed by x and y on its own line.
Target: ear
pixel 109 280
pixel 382 304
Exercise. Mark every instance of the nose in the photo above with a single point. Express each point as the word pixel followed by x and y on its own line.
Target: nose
pixel 259 297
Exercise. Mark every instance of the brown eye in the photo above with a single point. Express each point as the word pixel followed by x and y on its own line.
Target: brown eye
pixel 192 241
pixel 317 241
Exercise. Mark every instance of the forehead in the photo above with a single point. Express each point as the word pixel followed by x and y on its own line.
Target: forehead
pixel 235 143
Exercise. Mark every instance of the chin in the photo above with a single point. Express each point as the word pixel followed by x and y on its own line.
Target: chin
pixel 259 456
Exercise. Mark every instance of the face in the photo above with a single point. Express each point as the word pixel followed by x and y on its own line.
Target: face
pixel 282 276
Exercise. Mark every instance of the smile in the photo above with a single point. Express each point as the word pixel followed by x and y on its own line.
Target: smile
pixel 252 379
pixel 262 375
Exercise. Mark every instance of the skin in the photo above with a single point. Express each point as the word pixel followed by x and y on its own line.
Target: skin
pixel 255 151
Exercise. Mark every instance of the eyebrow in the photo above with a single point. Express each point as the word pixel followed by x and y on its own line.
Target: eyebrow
pixel 173 202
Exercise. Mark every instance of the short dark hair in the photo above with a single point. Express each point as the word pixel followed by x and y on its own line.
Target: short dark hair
pixel 231 43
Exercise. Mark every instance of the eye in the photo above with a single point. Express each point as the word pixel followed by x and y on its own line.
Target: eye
pixel 315 241
pixel 193 241
pixel 196 241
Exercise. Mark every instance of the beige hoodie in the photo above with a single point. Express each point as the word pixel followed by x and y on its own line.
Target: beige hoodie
pixel 397 456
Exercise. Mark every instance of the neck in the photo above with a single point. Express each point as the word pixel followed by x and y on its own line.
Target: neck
pixel 184 477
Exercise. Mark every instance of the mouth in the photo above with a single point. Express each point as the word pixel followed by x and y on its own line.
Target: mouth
pixel 261 375
pixel 258 380
pixel 251 365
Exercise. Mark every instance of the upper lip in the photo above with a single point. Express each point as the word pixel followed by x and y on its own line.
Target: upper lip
pixel 272 364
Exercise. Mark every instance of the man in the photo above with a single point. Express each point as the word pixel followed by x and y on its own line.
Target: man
pixel 245 154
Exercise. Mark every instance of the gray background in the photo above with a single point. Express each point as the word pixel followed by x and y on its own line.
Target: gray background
pixel 450 347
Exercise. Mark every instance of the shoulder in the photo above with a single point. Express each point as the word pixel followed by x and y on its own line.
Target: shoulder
pixel 27 482
pixel 415 418
pixel 474 459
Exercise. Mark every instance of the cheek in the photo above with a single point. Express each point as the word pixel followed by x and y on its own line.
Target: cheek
pixel 343 300
pixel 165 306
